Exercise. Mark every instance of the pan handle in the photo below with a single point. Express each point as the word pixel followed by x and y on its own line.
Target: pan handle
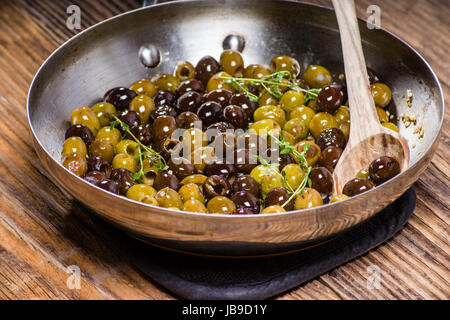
pixel 147 3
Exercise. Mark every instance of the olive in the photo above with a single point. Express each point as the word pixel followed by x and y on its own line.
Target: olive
pixel 81 131
pixel 221 205
pixel 181 167
pixel 198 179
pixel 373 78
pixel 343 89
pixel 163 127
pixel 75 163
pixel 189 101
pixel 246 183
pixel 256 71
pixel 285 63
pixel 279 197
pixel 210 112
pixel 214 130
pixel 363 174
pixel 246 200
pixel 98 164
pixel 270 112
pixel 129 147
pixel 150 170
pixel 253 142
pixel 144 86
pixel 141 193
pixel 338 198
pixel 192 139
pixel 193 205
pixel 219 167
pixel 216 186
pixel 86 117
pixel 191 191
pixel 357 186
pixel 259 172
pixel 94 177
pixel 130 118
pixel 313 105
pixel 187 120
pixel 165 98
pixel 273 209
pixel 320 122
pixel 302 84
pixel 345 128
pixel 241 100
pixel 166 82
pixel 206 68
pixel 264 127
pixel 244 161
pixel 189 86
pixel 202 156
pixel 217 82
pixel 321 180
pixel 297 128
pixel 274 156
pixel 162 111
pixel 142 133
pixel 271 181
pixel 126 161
pixel 74 145
pixel 291 99
pixel 236 116
pixel 342 115
pixel 330 157
pixel 383 169
pixel 330 99
pixel 143 106
pixel 221 96
pixel 169 198
pixel 390 125
pixel 109 185
pixel 112 135
pixel 382 115
pixel 309 198
pixel 266 99
pixel 312 153
pixel 381 93
pixel 294 175
pixel 242 211
pixel 120 97
pixel 102 148
pixel 303 113
pixel 232 62
pixel 124 179
pixel 184 71
pixel 104 112
pixel 317 76
pixel 331 137
pixel 166 180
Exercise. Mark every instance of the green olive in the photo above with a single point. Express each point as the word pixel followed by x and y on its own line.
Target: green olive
pixel 312 155
pixel 74 145
pixel 144 86
pixel 303 113
pixel 337 198
pixel 259 172
pixel 390 125
pixel 217 83
pixel 381 93
pixel 104 112
pixel 166 82
pixel 363 174
pixel 342 115
pixel 75 163
pixel 142 193
pixel 256 71
pixel 184 71
pixel 273 209
pixel 169 198
pixel 291 100
pixel 191 191
pixel 285 63
pixel 125 161
pixel 317 76
pixel 270 181
pixel 112 135
pixel 297 128
pixel 320 122
pixel 270 112
pixel 143 106
pixel 232 63
pixel 382 115
pixel 309 198
pixel 102 148
pixel 221 205
pixel 193 205
pixel 129 147
pixel 345 128
pixel 264 127
pixel 313 105
pixel 198 179
pixel 86 117
pixel 294 175
pixel 267 99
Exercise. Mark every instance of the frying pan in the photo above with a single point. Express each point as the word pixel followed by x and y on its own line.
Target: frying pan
pixel 106 56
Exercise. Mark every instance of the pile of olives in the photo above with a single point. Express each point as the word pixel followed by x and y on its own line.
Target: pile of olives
pixel 105 142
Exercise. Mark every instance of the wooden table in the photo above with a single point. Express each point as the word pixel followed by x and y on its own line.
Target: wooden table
pixel 43 230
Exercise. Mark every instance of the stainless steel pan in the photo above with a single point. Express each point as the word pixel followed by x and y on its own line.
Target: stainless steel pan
pixel 105 56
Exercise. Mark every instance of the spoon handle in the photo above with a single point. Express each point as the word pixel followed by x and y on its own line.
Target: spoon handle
pixel 364 118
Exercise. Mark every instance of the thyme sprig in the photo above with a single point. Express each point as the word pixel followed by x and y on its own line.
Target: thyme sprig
pixel 271 83
pixel 144 152
pixel 274 168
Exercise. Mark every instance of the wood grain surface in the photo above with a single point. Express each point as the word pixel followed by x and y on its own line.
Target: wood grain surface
pixel 43 230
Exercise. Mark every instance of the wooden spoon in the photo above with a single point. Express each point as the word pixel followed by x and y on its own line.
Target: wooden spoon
pixel 368 138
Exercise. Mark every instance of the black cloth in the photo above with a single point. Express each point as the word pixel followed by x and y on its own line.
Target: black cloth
pixel 192 277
